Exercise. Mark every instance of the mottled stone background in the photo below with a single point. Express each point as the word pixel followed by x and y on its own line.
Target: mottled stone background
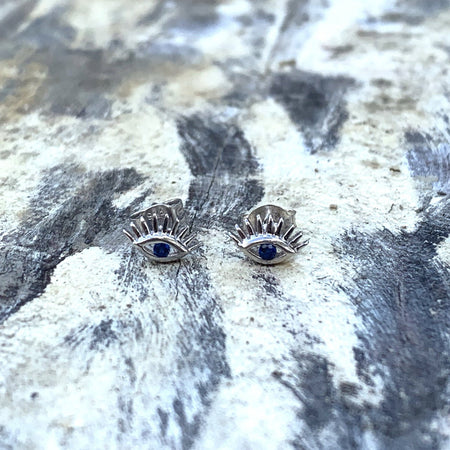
pixel 336 108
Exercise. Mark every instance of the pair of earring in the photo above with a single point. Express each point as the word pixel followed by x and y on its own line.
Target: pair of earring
pixel 162 234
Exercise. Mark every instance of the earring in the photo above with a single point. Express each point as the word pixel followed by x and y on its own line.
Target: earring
pixel 270 240
pixel 160 232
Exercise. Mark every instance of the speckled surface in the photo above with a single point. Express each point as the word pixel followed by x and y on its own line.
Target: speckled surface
pixel 337 109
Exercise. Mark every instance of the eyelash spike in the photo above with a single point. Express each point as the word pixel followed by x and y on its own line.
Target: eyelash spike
pixel 189 240
pixel 165 223
pixel 270 224
pixel 174 229
pixel 297 237
pixel 144 225
pixel 155 223
pixel 288 232
pixel 135 230
pixel 235 238
pixel 259 224
pixel 183 232
pixel 301 245
pixel 278 227
pixel 249 226
pixel 128 235
pixel 240 232
pixel 194 247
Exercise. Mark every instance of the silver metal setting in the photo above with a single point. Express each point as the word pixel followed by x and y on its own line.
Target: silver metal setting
pixel 272 229
pixel 165 224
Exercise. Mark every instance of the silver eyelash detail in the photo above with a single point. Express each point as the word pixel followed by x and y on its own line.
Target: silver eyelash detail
pixel 268 235
pixel 161 233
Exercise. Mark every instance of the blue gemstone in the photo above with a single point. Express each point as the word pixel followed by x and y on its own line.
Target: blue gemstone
pixel 267 251
pixel 161 250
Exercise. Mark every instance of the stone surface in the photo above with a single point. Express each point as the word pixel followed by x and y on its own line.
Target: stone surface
pixel 107 106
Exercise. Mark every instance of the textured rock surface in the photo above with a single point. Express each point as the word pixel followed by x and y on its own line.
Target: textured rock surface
pixel 338 109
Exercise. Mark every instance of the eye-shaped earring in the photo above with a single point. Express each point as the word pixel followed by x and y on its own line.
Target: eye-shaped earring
pixel 160 232
pixel 269 236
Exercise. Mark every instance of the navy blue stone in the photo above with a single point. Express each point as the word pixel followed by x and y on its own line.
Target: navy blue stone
pixel 161 250
pixel 267 251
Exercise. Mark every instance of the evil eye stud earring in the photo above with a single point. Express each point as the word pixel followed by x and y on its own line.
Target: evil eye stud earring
pixel 269 236
pixel 160 232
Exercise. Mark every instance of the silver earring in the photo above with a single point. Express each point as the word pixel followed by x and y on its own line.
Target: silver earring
pixel 160 232
pixel 269 236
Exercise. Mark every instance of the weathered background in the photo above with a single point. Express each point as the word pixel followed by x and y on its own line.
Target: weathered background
pixel 339 109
